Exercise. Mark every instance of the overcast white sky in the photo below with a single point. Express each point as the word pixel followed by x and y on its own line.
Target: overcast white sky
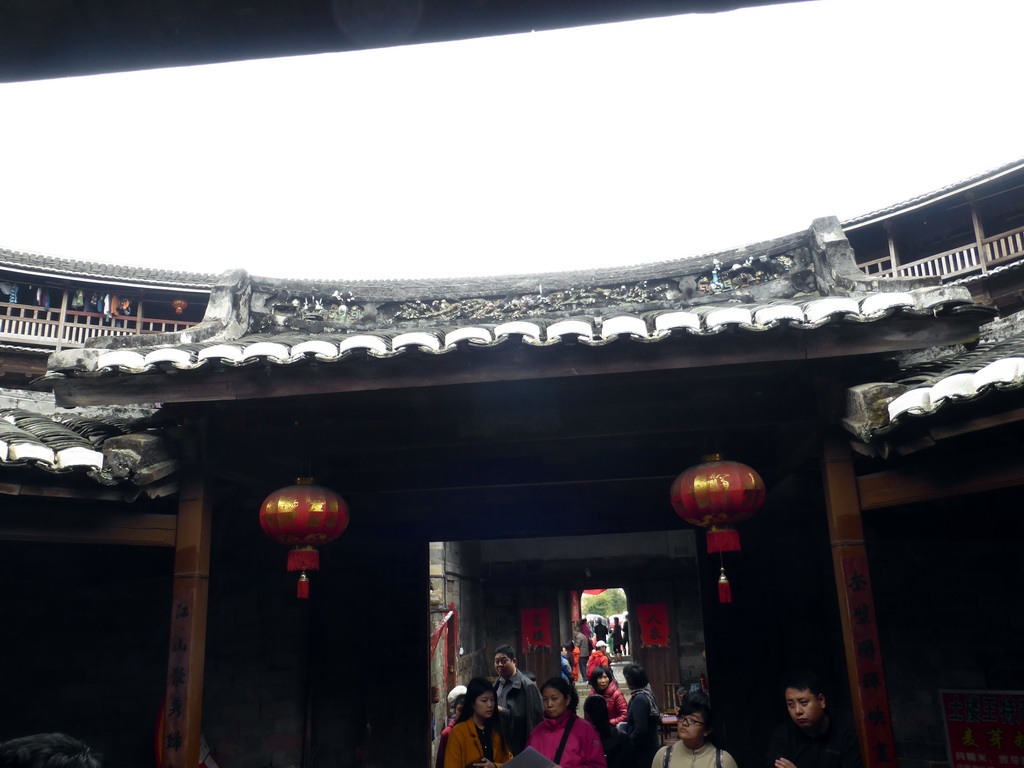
pixel 598 146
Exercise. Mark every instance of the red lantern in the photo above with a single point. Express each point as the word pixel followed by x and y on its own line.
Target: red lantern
pixel 307 516
pixel 716 495
pixel 180 305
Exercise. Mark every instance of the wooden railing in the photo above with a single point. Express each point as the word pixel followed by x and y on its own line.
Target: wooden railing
pixel 38 326
pixel 958 262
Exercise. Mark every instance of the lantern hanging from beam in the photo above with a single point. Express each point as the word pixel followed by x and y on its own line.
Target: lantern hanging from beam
pixel 716 495
pixel 306 516
pixel 180 305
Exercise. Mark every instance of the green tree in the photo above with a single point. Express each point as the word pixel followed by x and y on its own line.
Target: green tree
pixel 608 602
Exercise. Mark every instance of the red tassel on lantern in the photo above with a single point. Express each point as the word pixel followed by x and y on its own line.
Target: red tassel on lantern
pixel 723 540
pixel 302 591
pixel 304 559
pixel 724 590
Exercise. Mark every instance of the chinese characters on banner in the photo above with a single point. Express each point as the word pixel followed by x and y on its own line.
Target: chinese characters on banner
pixel 536 628
pixel 871 679
pixel 984 728
pixel 653 618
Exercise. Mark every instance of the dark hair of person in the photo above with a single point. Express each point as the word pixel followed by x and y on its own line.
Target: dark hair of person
pixel 459 700
pixel 598 671
pixel 47 750
pixel 569 691
pixel 636 676
pixel 508 650
pixel 596 711
pixel 476 688
pixel 803 680
pixel 697 704
pixel 568 648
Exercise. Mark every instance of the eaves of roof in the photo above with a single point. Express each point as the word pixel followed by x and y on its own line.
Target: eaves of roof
pixel 930 197
pixel 877 410
pixel 110 451
pixel 89 270
pixel 286 349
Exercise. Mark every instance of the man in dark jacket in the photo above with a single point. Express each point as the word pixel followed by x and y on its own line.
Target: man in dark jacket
pixel 518 699
pixel 813 739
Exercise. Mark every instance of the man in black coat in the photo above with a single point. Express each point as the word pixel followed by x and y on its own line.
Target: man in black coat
pixel 519 703
pixel 813 738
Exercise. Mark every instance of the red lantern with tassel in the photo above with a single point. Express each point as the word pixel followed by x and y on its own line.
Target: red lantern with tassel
pixel 307 516
pixel 180 305
pixel 716 495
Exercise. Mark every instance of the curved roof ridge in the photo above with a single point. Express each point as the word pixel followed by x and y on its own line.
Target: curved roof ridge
pixel 957 186
pixel 549 280
pixel 94 270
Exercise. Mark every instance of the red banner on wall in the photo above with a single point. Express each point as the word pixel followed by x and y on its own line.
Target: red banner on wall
pixel 654 628
pixel 984 728
pixel 870 675
pixel 536 628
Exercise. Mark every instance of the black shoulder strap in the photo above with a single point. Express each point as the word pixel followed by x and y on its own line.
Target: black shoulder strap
pixel 668 755
pixel 565 739
pixel 718 758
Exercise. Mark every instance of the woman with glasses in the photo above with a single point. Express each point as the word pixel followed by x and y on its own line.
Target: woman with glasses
pixel 693 750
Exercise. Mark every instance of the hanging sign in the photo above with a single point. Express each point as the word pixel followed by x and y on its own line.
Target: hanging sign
pixel 536 628
pixel 654 629
pixel 984 728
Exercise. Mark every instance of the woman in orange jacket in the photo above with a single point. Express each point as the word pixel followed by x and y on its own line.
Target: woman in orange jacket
pixel 476 738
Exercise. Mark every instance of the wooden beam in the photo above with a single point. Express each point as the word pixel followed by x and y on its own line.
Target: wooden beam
pixel 857 608
pixel 90 528
pixel 58 492
pixel 186 660
pixel 516 363
pixel 909 486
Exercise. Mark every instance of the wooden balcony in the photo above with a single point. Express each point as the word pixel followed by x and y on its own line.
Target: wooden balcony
pixel 59 329
pixel 968 259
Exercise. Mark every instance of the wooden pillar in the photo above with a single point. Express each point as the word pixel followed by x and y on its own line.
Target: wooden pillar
pixel 183 711
pixel 894 256
pixel 857 608
pixel 979 236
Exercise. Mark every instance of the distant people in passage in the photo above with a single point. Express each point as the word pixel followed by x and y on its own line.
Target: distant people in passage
pixel 477 738
pixel 562 736
pixel 617 645
pixel 47 750
pixel 694 749
pixel 600 631
pixel 602 682
pixel 598 658
pixel 582 643
pixel 456 699
pixel 566 662
pixel 518 699
pixel 814 737
pixel 643 718
pixel 618 752
pixel 625 636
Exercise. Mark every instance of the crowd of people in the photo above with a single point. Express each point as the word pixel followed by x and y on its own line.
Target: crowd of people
pixel 491 723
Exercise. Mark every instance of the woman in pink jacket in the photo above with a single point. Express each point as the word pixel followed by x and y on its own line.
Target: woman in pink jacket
pixel 602 682
pixel 562 736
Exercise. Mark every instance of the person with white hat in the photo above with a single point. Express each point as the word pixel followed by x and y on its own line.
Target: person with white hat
pixel 599 658
pixel 456 698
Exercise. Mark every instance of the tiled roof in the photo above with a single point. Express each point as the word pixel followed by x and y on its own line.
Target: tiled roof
pixel 71 268
pixel 71 443
pixel 934 195
pixel 283 349
pixel 924 389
